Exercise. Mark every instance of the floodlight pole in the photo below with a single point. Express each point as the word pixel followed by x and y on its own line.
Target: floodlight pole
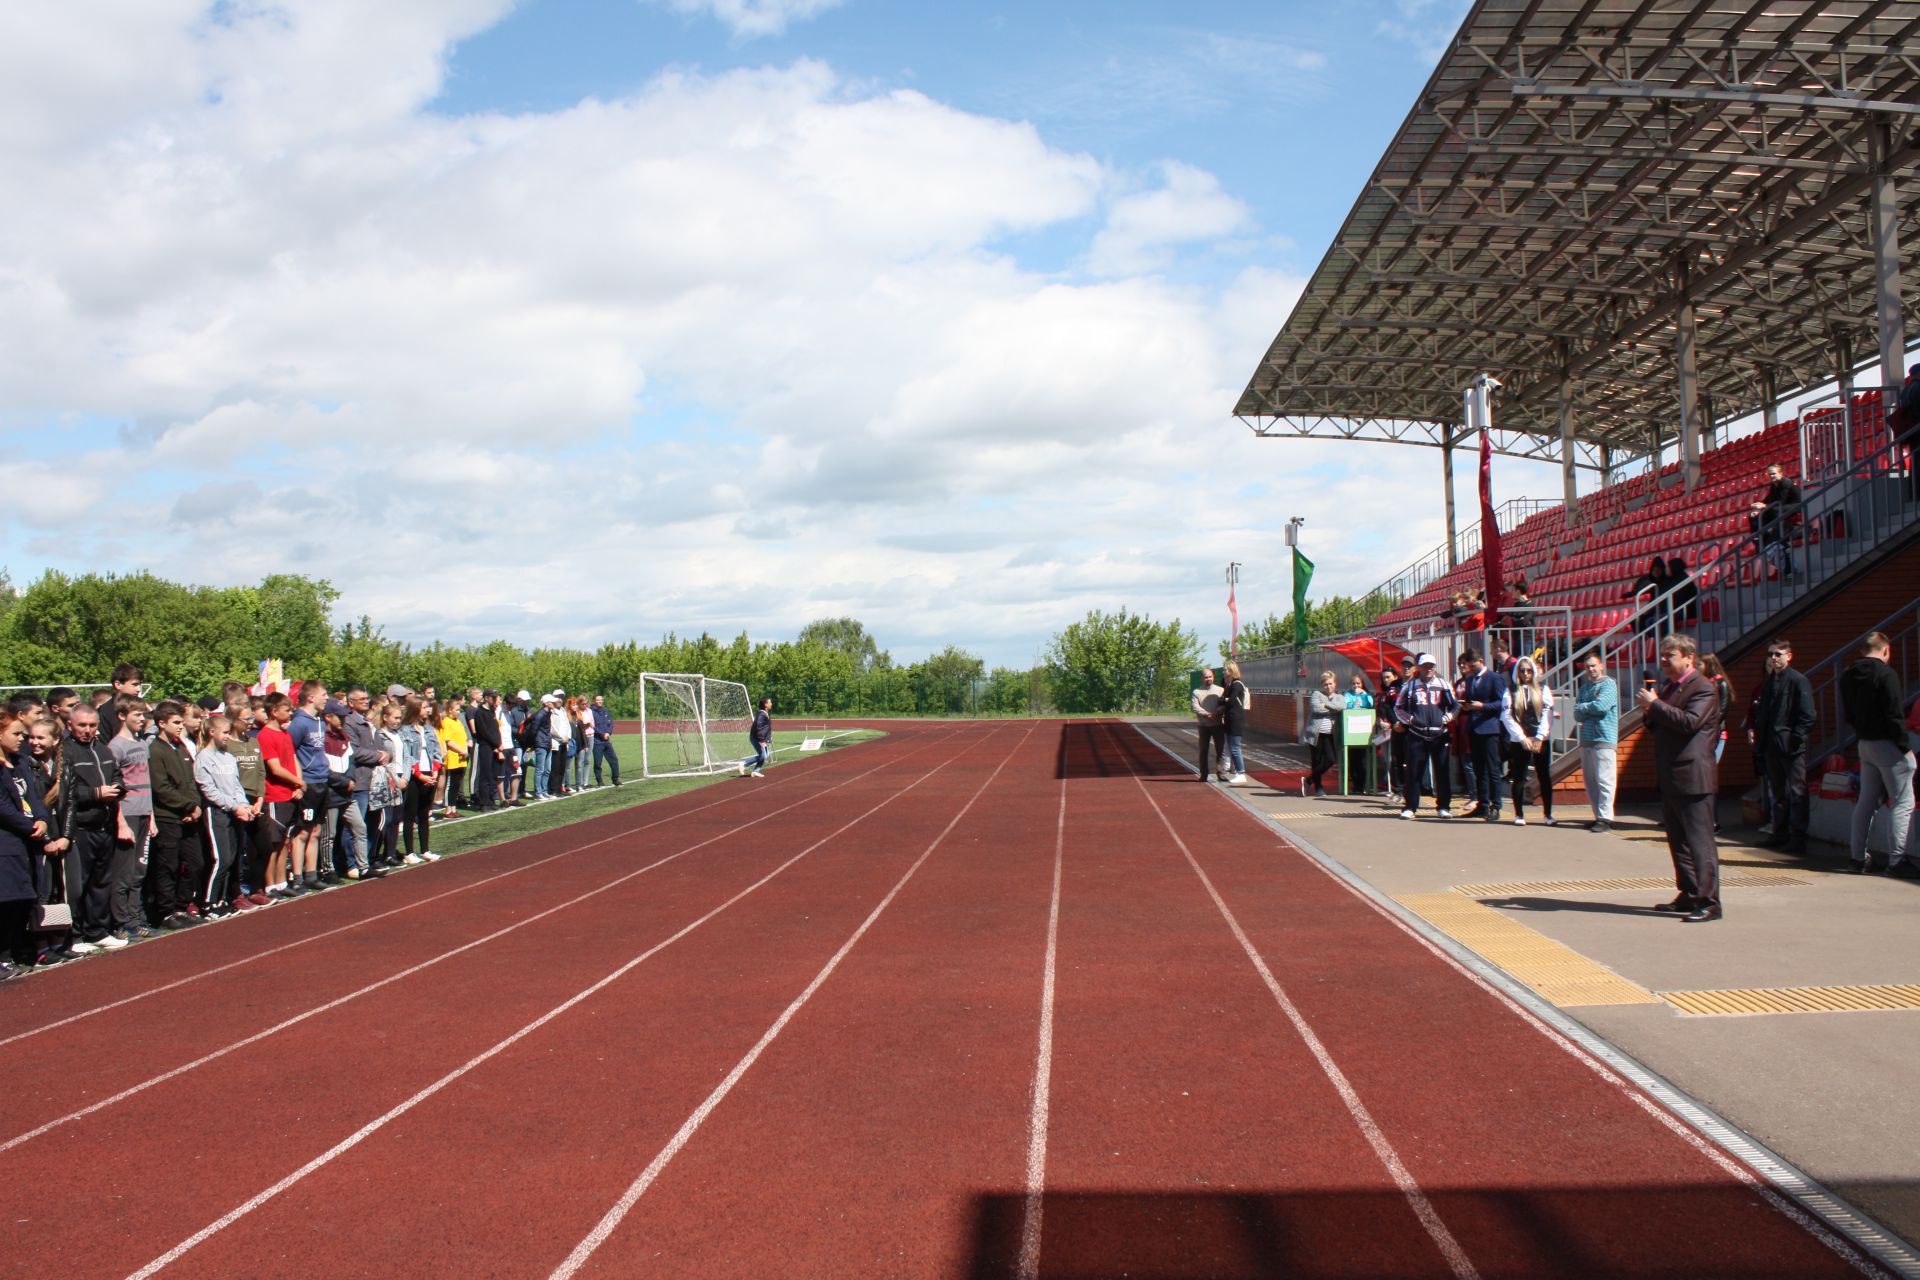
pixel 1446 477
pixel 1233 587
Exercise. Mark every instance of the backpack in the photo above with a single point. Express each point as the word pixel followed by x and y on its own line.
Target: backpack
pixel 528 734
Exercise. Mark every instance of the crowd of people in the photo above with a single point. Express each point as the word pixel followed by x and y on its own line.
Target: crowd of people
pixel 1494 722
pixel 122 817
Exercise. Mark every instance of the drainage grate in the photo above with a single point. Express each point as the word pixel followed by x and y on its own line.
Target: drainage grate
pixel 1514 888
pixel 1796 999
pixel 1559 973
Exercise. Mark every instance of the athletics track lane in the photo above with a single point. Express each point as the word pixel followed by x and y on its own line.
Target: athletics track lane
pixel 133 1178
pixel 501 1171
pixel 339 944
pixel 1536 1164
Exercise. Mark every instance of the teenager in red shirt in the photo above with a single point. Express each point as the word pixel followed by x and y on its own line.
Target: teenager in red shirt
pixel 284 787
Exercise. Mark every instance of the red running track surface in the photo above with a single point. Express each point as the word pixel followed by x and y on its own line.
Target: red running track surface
pixel 975 1000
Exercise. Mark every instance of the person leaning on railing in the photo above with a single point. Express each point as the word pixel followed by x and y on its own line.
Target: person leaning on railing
pixel 1772 517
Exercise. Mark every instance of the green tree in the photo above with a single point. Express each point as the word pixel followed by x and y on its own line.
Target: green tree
pixel 844 635
pixel 1120 661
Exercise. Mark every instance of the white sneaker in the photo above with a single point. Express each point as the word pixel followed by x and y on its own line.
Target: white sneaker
pixel 431 857
pixel 756 774
pixel 112 942
pixel 1407 814
pixel 412 859
pixel 1519 822
pixel 740 770
pixel 1237 780
pixel 1444 813
pixel 82 948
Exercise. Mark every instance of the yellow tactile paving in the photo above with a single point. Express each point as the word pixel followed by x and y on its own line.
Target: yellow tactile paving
pixel 1515 888
pixel 1796 999
pixel 1559 973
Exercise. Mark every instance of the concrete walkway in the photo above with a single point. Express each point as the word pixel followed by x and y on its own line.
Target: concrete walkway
pixel 1835 1093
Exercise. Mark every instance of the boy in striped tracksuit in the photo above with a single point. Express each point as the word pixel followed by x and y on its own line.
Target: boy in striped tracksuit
pixel 1426 706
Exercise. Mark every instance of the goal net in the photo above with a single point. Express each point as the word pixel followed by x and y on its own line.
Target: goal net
pixel 690 724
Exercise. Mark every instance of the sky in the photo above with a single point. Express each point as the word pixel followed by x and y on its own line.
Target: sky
pixel 568 321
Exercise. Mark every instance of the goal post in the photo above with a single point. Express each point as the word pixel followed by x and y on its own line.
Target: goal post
pixel 691 724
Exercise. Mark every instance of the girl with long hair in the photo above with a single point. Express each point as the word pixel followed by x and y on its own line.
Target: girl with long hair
pixel 420 750
pixel 1526 712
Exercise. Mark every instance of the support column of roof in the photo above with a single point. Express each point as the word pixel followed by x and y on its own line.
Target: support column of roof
pixel 1769 397
pixel 1569 488
pixel 1886 266
pixel 1446 474
pixel 1686 359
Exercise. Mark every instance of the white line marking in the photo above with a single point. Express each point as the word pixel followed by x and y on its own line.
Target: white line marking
pixel 1030 1227
pixel 1423 1209
pixel 1767 1189
pixel 610 1221
pixel 373 1126
pixel 392 978
pixel 367 920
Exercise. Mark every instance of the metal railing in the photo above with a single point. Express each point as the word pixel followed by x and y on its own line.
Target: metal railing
pixel 1845 517
pixel 1433 566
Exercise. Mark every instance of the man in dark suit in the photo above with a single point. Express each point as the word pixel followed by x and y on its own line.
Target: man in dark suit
pixel 1684 717
pixel 488 751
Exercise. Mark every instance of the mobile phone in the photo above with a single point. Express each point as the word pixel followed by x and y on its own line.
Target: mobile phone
pixel 1649 683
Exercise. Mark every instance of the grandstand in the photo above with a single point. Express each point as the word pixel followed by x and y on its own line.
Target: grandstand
pixel 1654 224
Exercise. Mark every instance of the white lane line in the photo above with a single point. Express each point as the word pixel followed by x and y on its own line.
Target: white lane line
pixel 367 920
pixel 1650 1092
pixel 392 978
pixel 1030 1226
pixel 610 1221
pixel 1423 1209
pixel 373 1126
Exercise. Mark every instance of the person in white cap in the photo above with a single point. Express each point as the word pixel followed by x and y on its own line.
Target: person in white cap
pixel 1426 706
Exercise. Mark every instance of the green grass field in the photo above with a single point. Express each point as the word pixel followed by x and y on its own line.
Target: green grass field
pixel 465 834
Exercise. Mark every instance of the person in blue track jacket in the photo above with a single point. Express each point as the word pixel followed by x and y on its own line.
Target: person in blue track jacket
pixel 1426 706
pixel 761 735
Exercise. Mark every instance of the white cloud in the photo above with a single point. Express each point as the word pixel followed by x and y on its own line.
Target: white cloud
pixel 750 18
pixel 728 351
pixel 1142 229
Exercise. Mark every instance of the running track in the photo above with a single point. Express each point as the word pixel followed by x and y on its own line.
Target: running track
pixel 975 1000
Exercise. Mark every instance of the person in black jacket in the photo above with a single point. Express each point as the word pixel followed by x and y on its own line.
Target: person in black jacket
pixel 178 864
pixel 1772 518
pixel 25 826
pixel 489 753
pixel 1785 725
pixel 1870 691
pixel 91 820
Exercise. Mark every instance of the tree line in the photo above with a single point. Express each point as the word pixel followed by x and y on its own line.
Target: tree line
pixel 189 639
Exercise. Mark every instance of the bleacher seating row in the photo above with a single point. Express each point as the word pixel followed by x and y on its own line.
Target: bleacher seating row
pixel 1589 565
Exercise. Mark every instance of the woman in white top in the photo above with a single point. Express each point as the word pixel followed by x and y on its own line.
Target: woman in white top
pixel 1526 713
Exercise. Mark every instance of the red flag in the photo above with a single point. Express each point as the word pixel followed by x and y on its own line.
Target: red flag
pixel 1234 609
pixel 1490 567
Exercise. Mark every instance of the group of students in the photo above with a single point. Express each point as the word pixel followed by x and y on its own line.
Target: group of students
pixel 1494 719
pixel 121 818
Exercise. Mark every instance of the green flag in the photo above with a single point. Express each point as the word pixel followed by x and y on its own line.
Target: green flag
pixel 1302 575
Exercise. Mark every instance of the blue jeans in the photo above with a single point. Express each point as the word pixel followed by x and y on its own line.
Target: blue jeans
pixel 762 752
pixel 542 761
pixel 1233 753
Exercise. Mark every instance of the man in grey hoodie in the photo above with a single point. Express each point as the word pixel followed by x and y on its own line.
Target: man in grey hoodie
pixel 366 755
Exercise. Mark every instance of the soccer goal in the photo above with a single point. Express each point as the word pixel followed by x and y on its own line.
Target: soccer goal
pixel 691 724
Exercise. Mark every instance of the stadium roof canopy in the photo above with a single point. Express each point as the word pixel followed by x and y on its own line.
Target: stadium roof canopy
pixel 1580 184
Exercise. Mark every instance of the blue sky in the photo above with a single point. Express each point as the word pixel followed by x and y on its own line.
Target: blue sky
pixel 573 320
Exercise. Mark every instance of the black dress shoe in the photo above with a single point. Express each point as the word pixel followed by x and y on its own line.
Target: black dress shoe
pixel 1680 905
pixel 1701 914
